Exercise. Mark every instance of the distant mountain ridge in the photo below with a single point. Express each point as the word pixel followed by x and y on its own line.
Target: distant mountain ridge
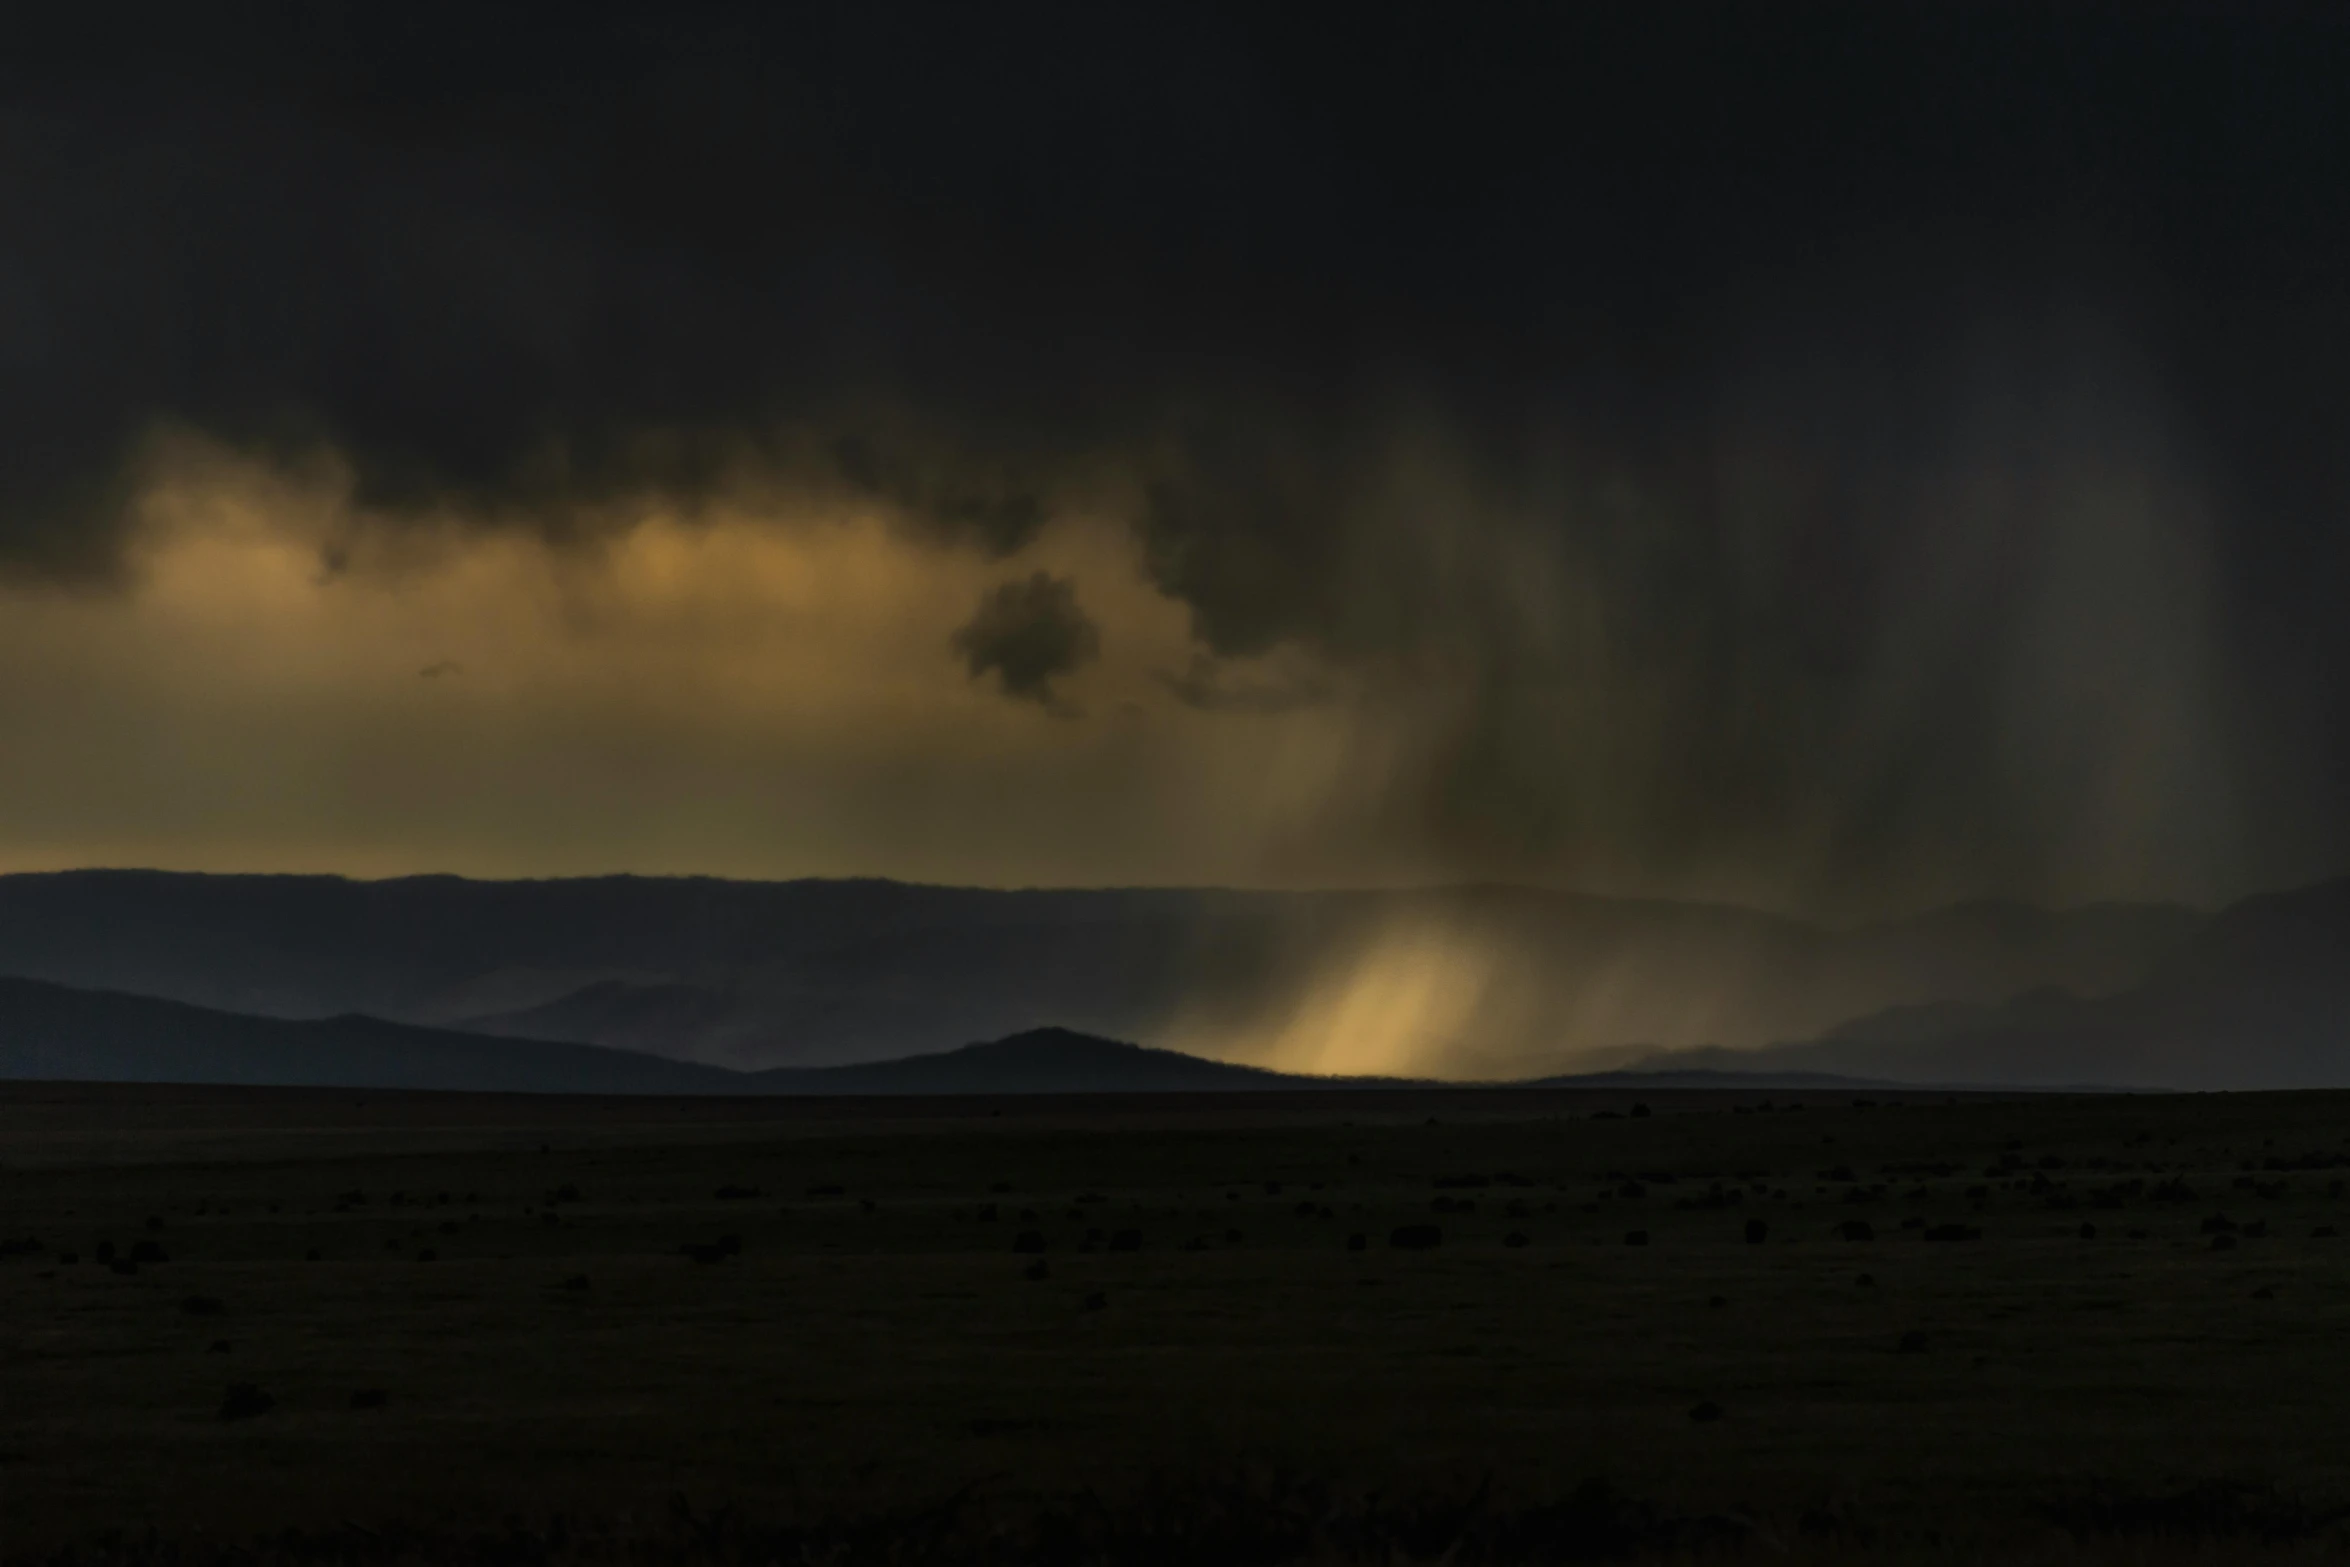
pixel 57 1033
pixel 2258 998
pixel 756 975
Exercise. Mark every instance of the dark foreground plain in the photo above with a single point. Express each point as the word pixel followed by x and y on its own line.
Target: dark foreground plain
pixel 270 1325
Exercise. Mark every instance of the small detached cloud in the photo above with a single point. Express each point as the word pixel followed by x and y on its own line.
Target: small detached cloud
pixel 1029 633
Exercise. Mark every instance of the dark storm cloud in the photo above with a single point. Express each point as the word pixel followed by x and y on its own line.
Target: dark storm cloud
pixel 1029 633
pixel 1740 404
pixel 998 518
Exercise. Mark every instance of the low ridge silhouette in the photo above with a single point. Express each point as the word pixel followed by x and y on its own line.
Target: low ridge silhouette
pixel 59 1033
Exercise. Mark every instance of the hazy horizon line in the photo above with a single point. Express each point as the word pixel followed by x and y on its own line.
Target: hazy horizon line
pixel 1324 890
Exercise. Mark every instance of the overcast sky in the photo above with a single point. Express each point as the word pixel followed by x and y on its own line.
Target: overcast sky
pixel 1835 458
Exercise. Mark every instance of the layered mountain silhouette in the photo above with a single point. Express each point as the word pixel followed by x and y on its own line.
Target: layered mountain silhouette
pixel 58 1033
pixel 758 975
pixel 691 986
pixel 2258 998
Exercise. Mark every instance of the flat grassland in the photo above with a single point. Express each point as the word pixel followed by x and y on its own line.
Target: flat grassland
pixel 381 1327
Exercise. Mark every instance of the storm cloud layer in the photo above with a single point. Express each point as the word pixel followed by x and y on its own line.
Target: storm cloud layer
pixel 1834 455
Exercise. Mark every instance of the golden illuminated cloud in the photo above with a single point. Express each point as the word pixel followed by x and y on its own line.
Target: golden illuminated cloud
pixel 746 692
